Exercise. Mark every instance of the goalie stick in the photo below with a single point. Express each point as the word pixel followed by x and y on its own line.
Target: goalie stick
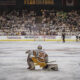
pixel 51 61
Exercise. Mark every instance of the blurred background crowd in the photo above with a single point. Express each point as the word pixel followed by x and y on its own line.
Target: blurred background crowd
pixel 43 22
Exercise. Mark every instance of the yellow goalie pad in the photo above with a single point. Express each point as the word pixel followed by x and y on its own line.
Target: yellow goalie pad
pixel 37 62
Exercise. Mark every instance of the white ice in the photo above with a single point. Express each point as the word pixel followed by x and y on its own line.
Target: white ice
pixel 13 65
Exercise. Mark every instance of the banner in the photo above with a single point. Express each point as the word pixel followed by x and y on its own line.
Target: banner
pixel 14 37
pixel 69 2
pixel 36 38
pixel 39 2
pixel 7 2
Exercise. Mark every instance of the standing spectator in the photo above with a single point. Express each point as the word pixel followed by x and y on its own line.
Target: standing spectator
pixel 63 35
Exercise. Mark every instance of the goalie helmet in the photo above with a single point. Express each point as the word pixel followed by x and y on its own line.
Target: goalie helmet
pixel 39 47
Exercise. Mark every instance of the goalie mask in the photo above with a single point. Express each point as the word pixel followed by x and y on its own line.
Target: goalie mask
pixel 39 47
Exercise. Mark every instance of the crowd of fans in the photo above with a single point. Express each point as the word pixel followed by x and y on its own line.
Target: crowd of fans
pixel 42 22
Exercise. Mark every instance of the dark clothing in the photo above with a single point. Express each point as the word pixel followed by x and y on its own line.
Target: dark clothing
pixel 63 37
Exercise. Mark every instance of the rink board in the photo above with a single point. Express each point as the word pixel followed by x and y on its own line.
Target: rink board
pixel 36 38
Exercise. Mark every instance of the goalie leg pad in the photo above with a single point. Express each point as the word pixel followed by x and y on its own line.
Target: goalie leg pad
pixel 51 67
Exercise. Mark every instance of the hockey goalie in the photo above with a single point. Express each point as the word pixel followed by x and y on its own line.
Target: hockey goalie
pixel 38 57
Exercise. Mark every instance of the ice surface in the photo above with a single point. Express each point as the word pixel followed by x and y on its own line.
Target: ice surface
pixel 13 65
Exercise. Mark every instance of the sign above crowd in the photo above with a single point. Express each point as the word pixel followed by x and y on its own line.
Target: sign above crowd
pixel 39 2
pixel 7 2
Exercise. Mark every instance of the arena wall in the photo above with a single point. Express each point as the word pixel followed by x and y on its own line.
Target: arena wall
pixel 36 38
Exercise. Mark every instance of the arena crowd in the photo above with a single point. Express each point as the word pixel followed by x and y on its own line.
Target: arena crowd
pixel 43 22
